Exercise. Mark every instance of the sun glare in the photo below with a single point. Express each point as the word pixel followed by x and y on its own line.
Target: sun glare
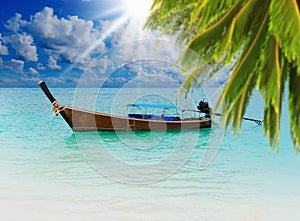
pixel 137 9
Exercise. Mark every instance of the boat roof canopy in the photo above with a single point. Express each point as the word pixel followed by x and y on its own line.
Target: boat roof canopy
pixel 163 106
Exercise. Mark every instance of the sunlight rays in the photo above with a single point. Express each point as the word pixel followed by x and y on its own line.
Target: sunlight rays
pixel 137 9
pixel 131 12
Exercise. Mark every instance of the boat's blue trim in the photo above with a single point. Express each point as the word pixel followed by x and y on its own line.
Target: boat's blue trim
pixel 153 117
pixel 153 106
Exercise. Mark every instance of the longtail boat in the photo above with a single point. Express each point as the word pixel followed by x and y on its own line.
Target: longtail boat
pixel 85 120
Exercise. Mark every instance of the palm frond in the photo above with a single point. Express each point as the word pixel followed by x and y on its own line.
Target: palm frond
pixel 240 34
pixel 271 81
pixel 204 43
pixel 198 7
pixel 214 10
pixel 294 105
pixel 243 80
pixel 285 25
pixel 258 39
pixel 169 16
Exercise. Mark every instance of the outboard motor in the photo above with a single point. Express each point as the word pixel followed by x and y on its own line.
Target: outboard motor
pixel 204 108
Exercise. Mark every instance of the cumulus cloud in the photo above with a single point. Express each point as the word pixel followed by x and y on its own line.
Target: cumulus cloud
pixel 52 63
pixel 159 79
pixel 103 64
pixel 33 71
pixel 71 37
pixel 23 44
pixel 105 25
pixel 137 44
pixel 3 48
pixel 129 31
pixel 15 23
pixel 157 73
pixel 78 42
pixel 40 67
pixel 16 65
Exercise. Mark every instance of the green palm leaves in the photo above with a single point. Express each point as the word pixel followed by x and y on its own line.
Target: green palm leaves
pixel 259 39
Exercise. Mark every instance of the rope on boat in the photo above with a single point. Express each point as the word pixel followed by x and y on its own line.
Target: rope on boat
pixel 56 108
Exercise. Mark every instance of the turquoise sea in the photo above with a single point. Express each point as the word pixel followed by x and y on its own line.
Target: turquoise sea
pixel 50 173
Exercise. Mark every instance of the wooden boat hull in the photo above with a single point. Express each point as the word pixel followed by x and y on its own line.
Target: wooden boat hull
pixel 82 120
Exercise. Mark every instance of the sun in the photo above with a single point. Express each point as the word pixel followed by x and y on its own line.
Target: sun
pixel 137 9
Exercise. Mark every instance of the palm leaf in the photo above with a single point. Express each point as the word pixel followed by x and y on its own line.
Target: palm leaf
pixel 221 42
pixel 294 105
pixel 243 80
pixel 271 85
pixel 285 25
pixel 204 42
pixel 198 7
pixel 240 34
pixel 212 11
pixel 258 39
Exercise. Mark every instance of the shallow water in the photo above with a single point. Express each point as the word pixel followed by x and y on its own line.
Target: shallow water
pixel 45 174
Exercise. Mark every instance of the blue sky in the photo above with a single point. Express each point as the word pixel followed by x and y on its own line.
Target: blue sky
pixel 59 41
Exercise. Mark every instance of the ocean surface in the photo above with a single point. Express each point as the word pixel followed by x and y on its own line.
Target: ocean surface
pixel 50 173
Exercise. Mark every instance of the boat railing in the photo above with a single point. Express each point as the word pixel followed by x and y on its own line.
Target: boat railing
pixel 177 115
pixel 161 115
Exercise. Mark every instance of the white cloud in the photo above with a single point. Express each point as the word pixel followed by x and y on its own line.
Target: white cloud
pixel 79 41
pixel 156 73
pixel 129 31
pixel 52 63
pixel 40 67
pixel 9 80
pixel 15 23
pixel 33 71
pixel 3 48
pixel 16 65
pixel 160 79
pixel 137 44
pixel 158 57
pixel 105 25
pixel 69 37
pixel 23 44
pixel 103 64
